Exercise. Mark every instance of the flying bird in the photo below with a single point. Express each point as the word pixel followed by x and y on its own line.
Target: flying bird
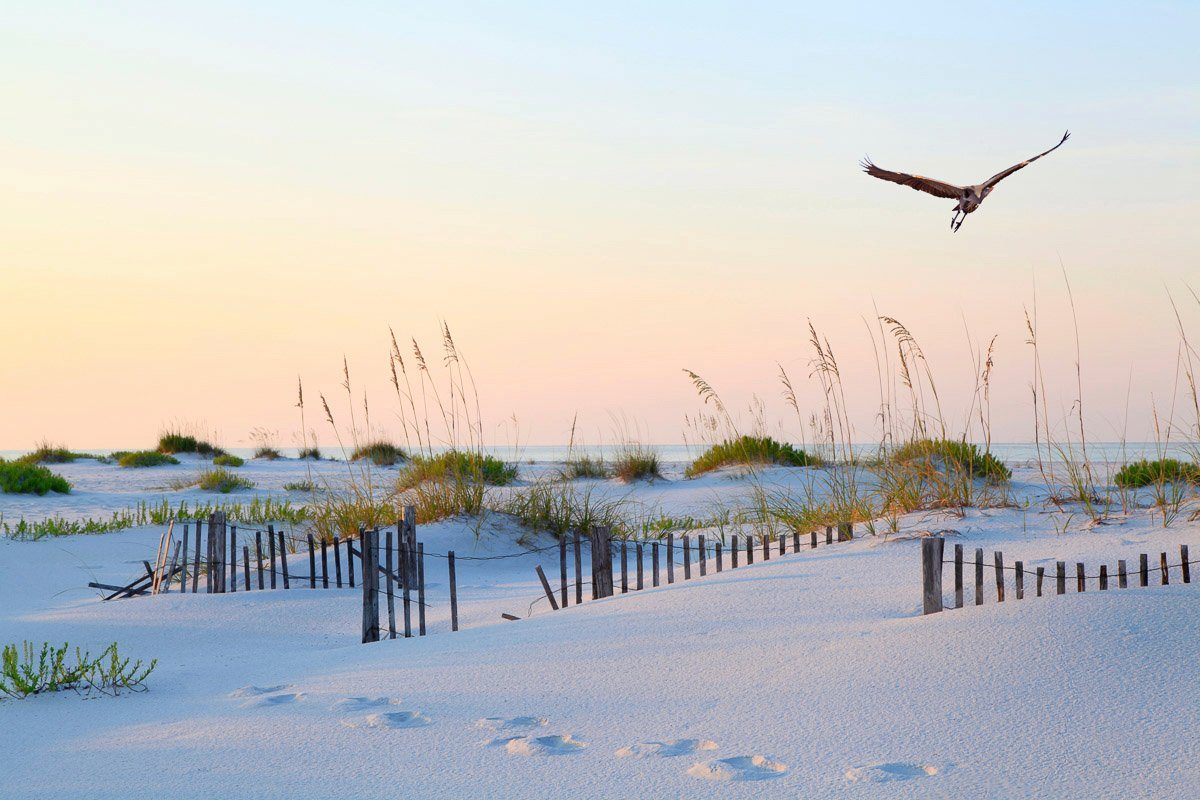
pixel 969 197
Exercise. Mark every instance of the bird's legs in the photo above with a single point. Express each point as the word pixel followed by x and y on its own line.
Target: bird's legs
pixel 955 223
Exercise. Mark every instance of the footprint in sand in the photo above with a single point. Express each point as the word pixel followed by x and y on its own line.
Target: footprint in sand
pixel 270 700
pixel 363 703
pixel 678 747
pixel 255 691
pixel 738 768
pixel 510 723
pixel 539 745
pixel 390 720
pixel 894 771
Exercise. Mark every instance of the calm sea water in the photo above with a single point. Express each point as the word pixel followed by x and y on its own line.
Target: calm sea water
pixel 1009 452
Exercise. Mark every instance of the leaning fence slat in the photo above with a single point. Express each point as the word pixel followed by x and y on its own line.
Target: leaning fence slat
pixel 453 591
pixel 283 562
pixel 546 587
pixel 183 574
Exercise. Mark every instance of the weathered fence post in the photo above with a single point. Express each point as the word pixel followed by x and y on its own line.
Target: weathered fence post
pixel 1020 579
pixel 283 561
pixel 562 570
pixel 1183 559
pixel 602 567
pixel 845 531
pixel 233 554
pixel 828 534
pixel 999 577
pixel 246 565
pixel 337 560
pixel 766 546
pixel 216 544
pixel 579 570
pixel 749 549
pixel 421 604
pixel 1162 566
pixel 370 588
pixel 978 576
pixel 454 591
pixel 813 542
pixel 640 568
pixel 795 541
pixel 654 562
pixel 312 563
pixel 406 584
pixel 702 555
pixel 1080 584
pixel 1144 569
pixel 1103 577
pixel 782 544
pixel 1041 574
pixel 546 588
pixel 1060 577
pixel 931 573
pixel 183 575
pixel 687 557
pixel 670 558
pixel 390 583
pixel 733 552
pixel 271 548
pixel 196 571
pixel 958 576
pixel 624 566
pixel 324 563
pixel 1122 575
pixel 719 554
pixel 350 556
pixel 258 559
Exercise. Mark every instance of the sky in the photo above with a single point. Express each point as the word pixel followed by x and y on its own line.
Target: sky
pixel 200 202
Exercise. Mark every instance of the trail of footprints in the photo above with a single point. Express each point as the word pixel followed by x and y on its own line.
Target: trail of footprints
pixel 524 736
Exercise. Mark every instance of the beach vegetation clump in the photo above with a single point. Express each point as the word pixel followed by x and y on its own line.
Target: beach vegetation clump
pixel 299 486
pixel 22 477
pixel 952 455
pixel 144 458
pixel 26 670
pixel 174 441
pixel 219 479
pixel 267 453
pixel 581 467
pixel 636 462
pixel 749 450
pixel 560 508
pixel 380 453
pixel 47 453
pixel 1160 471
pixel 228 460
pixel 309 453
pixel 457 465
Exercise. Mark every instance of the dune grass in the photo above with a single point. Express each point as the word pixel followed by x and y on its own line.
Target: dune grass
pixel 309 454
pixel 636 462
pixel 175 441
pixel 1160 471
pixel 22 477
pixel 457 465
pixel 952 454
pixel 749 450
pixel 582 467
pixel 144 458
pixel 47 453
pixel 559 508
pixel 219 479
pixel 256 511
pixel 299 486
pixel 379 453
pixel 267 454
pixel 228 460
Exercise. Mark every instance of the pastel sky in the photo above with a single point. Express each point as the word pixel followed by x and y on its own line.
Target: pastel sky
pixel 201 201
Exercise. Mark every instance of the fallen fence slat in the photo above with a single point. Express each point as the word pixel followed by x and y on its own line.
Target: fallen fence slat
pixel 546 587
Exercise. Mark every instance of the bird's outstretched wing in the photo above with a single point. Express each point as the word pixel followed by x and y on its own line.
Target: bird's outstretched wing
pixel 999 176
pixel 921 184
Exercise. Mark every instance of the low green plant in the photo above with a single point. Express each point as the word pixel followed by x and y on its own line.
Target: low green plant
pixel 561 508
pixel 25 670
pixel 312 453
pixel 22 477
pixel 267 453
pixel 219 479
pixel 257 511
pixel 584 467
pixel 457 465
pixel 228 460
pixel 1160 471
pixel 751 450
pixel 145 458
pixel 299 486
pixel 636 462
pixel 380 453
pixel 177 442
pixel 953 454
pixel 47 453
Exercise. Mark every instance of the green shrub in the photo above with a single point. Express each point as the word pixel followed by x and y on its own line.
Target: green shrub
pixel 951 454
pixel 636 462
pixel 47 453
pixel 381 454
pixel 256 511
pixel 313 453
pixel 561 508
pixel 145 458
pixel 585 467
pixel 749 450
pixel 219 479
pixel 1159 471
pixel 299 486
pixel 228 460
pixel 22 477
pixel 175 442
pixel 25 671
pixel 459 466
pixel 268 453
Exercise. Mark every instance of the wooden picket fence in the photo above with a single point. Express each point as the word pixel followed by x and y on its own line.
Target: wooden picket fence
pixel 933 559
